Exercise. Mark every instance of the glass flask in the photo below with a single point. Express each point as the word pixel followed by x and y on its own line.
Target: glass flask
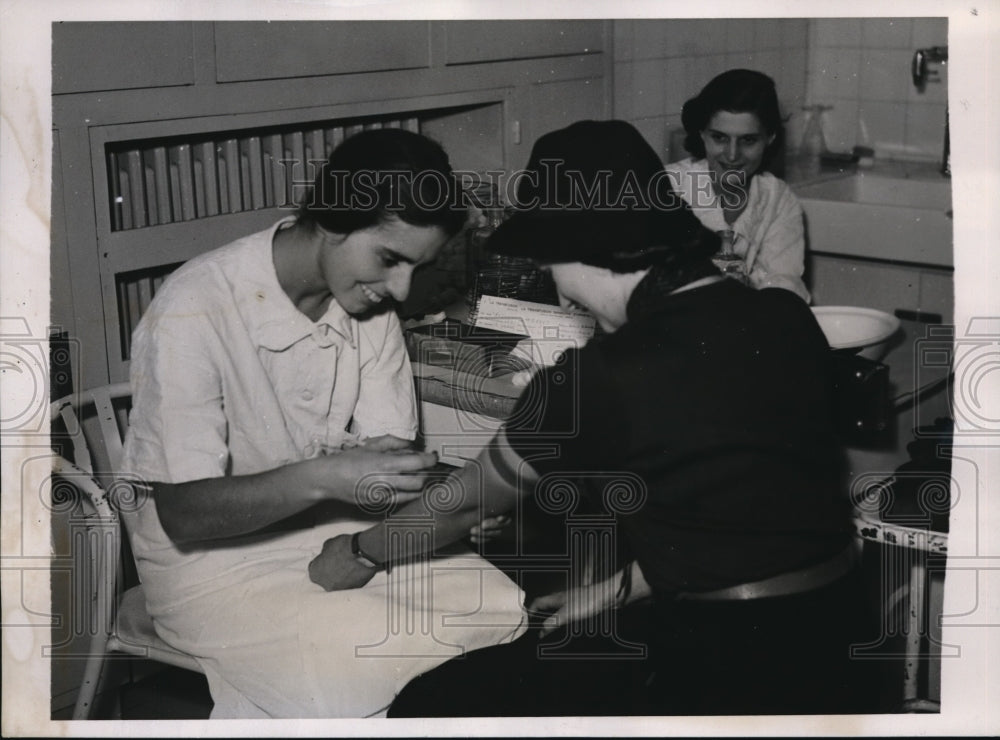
pixel 814 139
pixel 730 264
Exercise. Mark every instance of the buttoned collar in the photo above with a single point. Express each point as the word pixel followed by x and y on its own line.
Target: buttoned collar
pixel 272 319
pixel 711 214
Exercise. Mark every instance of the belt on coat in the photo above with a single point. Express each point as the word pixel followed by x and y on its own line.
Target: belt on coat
pixel 785 584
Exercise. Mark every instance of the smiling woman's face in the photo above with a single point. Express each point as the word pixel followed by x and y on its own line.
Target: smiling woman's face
pixel 376 263
pixel 735 142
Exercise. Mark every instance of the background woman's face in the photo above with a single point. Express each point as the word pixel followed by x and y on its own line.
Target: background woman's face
pixel 735 142
pixel 373 264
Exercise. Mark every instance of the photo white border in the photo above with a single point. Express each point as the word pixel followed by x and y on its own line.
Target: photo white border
pixel 970 685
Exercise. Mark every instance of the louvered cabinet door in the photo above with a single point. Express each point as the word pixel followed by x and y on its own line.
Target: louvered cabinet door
pixel 167 191
pixel 164 197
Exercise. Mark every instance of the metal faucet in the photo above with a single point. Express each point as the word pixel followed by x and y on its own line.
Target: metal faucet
pixel 923 57
pixel 921 74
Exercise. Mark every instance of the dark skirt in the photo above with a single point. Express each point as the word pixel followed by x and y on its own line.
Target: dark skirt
pixel 787 655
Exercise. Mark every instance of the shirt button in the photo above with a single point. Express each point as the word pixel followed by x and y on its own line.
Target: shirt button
pixel 307 395
pixel 314 448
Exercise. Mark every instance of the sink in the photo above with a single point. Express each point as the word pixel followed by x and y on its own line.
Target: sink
pixel 882 190
pixel 897 214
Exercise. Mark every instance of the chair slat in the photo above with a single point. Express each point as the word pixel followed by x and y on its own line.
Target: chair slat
pixel 109 426
pixel 81 452
pixel 98 549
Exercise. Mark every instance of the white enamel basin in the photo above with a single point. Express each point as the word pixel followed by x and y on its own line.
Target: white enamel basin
pixel 865 330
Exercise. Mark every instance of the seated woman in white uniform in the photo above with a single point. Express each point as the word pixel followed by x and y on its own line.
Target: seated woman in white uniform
pixel 272 400
pixel 734 129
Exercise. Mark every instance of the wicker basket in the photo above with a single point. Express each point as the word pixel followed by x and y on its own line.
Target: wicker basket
pixel 496 275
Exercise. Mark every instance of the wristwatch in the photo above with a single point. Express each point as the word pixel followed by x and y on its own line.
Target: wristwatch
pixel 361 556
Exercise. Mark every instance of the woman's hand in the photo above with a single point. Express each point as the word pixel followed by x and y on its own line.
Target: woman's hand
pixel 488 529
pixel 369 476
pixel 387 443
pixel 588 601
pixel 574 605
pixel 336 568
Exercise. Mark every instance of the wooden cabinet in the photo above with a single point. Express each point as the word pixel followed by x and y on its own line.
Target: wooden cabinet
pixel 133 102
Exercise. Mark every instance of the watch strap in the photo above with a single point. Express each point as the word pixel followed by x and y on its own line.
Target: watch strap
pixel 361 556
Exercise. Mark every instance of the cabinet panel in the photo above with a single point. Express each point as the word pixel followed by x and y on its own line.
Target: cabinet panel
pixel 473 136
pixel 937 293
pixel 131 55
pixel 483 41
pixel 847 282
pixel 558 104
pixel 254 50
pixel 883 285
pixel 881 232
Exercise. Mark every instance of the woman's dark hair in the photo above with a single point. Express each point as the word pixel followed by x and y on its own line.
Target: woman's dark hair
pixel 608 202
pixel 381 173
pixel 735 91
pixel 685 245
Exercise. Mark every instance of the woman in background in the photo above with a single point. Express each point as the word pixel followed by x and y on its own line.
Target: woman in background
pixel 270 376
pixel 734 129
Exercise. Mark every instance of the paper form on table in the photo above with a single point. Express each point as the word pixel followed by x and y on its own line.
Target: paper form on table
pixel 552 329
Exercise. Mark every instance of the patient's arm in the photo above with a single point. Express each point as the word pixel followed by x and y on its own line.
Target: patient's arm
pixel 486 487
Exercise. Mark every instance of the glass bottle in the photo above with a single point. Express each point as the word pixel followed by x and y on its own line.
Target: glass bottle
pixel 813 139
pixel 730 264
pixel 485 199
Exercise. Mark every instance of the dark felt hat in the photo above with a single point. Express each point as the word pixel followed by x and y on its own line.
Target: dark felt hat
pixel 594 192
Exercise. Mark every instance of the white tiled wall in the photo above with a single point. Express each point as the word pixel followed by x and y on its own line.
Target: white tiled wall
pixel 861 66
pixel 660 63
